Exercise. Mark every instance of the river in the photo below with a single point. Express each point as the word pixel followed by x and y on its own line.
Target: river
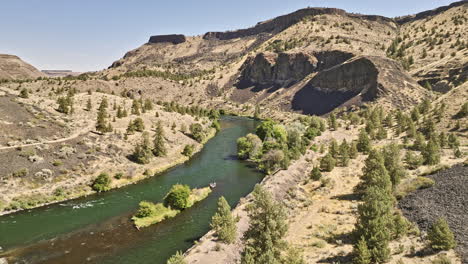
pixel 97 228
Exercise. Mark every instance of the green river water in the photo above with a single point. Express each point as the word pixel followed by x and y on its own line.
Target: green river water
pixel 97 228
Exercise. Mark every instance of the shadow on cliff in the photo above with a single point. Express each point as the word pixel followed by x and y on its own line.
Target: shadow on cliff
pixel 256 87
pixel 311 101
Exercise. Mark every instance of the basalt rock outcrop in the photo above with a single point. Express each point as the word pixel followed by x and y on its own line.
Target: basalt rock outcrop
pixel 173 38
pixel 360 79
pixel 275 25
pixel 13 68
pixel 270 68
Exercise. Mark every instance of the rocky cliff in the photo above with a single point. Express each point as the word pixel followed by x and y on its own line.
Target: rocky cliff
pixel 270 68
pixel 173 38
pixel 12 68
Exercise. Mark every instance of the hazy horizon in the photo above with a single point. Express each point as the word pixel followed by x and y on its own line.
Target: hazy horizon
pixel 89 35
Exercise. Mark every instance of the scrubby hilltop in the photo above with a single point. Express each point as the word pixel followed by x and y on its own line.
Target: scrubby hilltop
pixel 12 67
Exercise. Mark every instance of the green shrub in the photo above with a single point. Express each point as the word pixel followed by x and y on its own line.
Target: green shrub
pixel 21 173
pixel 101 183
pixel 178 197
pixel 188 150
pixel 146 209
pixel 178 258
pixel 118 175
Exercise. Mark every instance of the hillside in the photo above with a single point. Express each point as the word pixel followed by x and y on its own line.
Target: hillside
pixel 12 68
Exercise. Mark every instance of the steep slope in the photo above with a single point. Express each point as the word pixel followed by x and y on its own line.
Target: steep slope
pixel 281 63
pixel 437 43
pixel 12 67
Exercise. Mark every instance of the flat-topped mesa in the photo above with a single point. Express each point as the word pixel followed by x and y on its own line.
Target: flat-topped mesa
pixel 428 13
pixel 277 24
pixel 172 38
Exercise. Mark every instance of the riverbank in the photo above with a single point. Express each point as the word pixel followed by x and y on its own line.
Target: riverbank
pixel 141 173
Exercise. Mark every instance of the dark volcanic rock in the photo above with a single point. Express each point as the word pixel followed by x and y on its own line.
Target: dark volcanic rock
pixel 174 39
pixel 448 198
pixel 271 68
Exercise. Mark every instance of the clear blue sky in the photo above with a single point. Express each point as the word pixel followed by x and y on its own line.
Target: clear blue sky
pixel 87 35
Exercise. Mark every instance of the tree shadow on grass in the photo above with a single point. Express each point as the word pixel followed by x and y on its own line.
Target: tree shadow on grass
pixel 348 197
pixel 337 259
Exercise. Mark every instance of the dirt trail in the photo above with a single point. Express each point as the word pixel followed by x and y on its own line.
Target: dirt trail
pixel 72 136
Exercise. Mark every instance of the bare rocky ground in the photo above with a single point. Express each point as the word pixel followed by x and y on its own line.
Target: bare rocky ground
pixel 448 198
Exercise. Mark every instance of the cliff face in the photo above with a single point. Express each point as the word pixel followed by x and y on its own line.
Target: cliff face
pixel 271 68
pixel 275 25
pixel 12 68
pixel 173 38
pixel 353 82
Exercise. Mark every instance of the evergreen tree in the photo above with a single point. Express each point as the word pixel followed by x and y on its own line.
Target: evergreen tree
pixel 264 237
pixel 419 142
pixel 440 235
pixel 224 223
pixel 363 143
pixel 143 153
pixel 353 152
pixel 327 163
pixel 315 174
pixel 159 141
pixel 332 121
pixel 148 106
pixel 334 149
pixel 344 153
pixel 453 141
pixel 392 163
pixel 431 152
pixel 375 222
pixel 102 124
pixel 374 172
pixel 119 112
pixel 361 253
pixel 136 107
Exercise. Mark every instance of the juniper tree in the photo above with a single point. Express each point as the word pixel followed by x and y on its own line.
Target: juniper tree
pixel 353 152
pixel 440 235
pixel 119 112
pixel 333 149
pixel 148 105
pixel 315 174
pixel 143 153
pixel 264 237
pixel 159 142
pixel 344 153
pixel 361 252
pixel 453 141
pixel 374 172
pixel 136 107
pixel 327 163
pixel 363 143
pixel 391 154
pixel 102 125
pixel 431 152
pixel 419 142
pixel 332 121
pixel 224 223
